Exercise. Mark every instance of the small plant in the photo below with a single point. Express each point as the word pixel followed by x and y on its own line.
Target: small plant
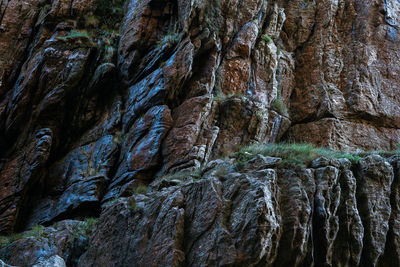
pixel 112 201
pixel 168 39
pixel 141 189
pixel 74 34
pixel 92 22
pixel 222 97
pixel 88 225
pixel 383 153
pixel 267 39
pixel 132 205
pixel 4 241
pixel 110 12
pixel 221 171
pixel 197 173
pixel 44 11
pixel 37 231
pixel 278 105
pixel 84 228
pixel 31 13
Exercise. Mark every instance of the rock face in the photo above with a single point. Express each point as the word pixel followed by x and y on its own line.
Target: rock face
pixel 100 97
pixel 58 245
pixel 334 213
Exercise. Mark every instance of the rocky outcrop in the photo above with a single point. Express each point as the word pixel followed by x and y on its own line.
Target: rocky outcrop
pixel 59 245
pixel 333 213
pixel 325 215
pixel 98 98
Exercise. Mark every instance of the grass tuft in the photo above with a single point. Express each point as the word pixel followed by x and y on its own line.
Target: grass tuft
pixel 278 105
pixel 172 39
pixel 141 189
pixel 74 34
pixel 267 39
pixel 295 155
pixel 37 231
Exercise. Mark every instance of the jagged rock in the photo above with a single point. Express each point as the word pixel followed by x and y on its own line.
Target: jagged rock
pixel 255 217
pixel 16 29
pixel 20 173
pixel 296 205
pixel 200 223
pixel 348 243
pixel 181 146
pixel 325 219
pixel 141 153
pixel 345 135
pixel 53 261
pixel 45 246
pixel 392 247
pixel 341 76
pixel 5 265
pixel 260 162
pixel 374 178
pixel 88 115
pixel 77 183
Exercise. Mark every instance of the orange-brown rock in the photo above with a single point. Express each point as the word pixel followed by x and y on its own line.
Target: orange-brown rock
pixel 99 98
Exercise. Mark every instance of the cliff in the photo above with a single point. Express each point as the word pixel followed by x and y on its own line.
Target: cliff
pixel 99 99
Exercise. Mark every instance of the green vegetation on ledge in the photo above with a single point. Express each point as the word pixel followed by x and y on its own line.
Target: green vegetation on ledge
pixel 301 155
pixel 102 25
pixel 298 155
pixel 37 231
pixel 267 39
pixel 74 34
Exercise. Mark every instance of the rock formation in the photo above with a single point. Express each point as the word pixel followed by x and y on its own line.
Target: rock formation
pixel 101 97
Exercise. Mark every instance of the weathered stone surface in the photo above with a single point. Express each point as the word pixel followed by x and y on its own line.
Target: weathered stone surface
pixel 349 240
pixel 53 261
pixel 325 220
pixel 181 145
pixel 340 73
pixel 58 245
pixel 77 183
pixel 19 173
pixel 97 98
pixel 262 162
pixel 16 28
pixel 374 179
pixel 321 216
pixel 345 135
pixel 200 223
pixel 295 203
pixel 4 264
pixel 164 213
pixel 141 153
pixel 256 217
pixel 392 247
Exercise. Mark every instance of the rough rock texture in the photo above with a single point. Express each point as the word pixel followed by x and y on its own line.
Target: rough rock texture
pixel 334 213
pixel 58 245
pixel 99 97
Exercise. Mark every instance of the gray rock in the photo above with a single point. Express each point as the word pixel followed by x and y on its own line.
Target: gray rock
pixel 53 261
pixel 262 162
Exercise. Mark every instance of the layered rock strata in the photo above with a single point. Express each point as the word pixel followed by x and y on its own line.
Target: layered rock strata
pixel 98 97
